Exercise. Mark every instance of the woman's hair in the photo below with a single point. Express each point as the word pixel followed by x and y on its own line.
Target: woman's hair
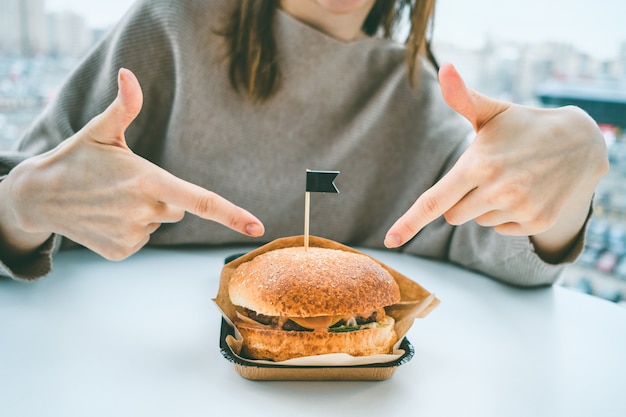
pixel 251 47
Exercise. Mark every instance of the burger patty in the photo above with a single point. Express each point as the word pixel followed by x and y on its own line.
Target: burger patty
pixel 292 325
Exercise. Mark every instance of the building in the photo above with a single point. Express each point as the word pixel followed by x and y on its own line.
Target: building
pixel 22 27
pixel 604 100
pixel 27 31
pixel 68 35
pixel 512 71
pixel 9 27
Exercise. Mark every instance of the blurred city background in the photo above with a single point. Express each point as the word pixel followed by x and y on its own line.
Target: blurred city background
pixel 532 52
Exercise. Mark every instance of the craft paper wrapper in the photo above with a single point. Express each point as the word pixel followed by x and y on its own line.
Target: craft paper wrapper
pixel 416 302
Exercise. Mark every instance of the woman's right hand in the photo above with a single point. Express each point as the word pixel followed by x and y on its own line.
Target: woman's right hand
pixel 95 191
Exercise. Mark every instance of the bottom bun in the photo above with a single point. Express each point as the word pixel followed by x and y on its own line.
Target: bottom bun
pixel 279 345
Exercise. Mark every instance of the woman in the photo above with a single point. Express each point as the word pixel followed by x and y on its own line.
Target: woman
pixel 241 97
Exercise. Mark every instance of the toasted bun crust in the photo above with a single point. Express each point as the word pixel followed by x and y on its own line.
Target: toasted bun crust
pixel 296 282
pixel 280 345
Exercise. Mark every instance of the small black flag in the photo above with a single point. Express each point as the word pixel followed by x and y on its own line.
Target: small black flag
pixel 321 181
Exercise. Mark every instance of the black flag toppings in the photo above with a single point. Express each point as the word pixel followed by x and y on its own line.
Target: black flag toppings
pixel 321 181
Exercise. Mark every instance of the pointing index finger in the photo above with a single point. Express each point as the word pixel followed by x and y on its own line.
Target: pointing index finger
pixel 208 205
pixel 433 203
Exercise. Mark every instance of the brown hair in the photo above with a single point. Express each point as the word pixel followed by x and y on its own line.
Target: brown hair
pixel 251 47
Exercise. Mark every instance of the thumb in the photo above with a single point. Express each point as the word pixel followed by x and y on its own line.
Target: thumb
pixel 474 106
pixel 109 127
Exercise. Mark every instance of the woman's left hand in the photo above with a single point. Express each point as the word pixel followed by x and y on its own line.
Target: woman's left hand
pixel 528 172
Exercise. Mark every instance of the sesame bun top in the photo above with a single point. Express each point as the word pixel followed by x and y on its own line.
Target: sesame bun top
pixel 295 282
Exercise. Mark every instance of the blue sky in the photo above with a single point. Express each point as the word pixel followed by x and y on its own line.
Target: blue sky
pixel 597 27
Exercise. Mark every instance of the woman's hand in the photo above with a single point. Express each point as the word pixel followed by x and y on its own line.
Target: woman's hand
pixel 94 190
pixel 528 172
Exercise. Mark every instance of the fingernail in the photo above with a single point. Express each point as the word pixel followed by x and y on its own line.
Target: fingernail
pixel 254 229
pixel 392 241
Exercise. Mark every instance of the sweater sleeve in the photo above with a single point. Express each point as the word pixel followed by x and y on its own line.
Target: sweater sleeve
pixel 141 42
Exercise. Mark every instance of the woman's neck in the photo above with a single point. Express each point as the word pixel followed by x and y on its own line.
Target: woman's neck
pixel 343 24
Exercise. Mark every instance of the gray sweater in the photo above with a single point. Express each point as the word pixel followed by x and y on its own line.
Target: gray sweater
pixel 341 106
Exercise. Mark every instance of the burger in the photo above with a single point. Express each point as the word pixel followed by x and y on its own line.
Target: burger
pixel 293 302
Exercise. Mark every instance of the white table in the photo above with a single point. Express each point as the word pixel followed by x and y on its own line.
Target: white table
pixel 140 338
